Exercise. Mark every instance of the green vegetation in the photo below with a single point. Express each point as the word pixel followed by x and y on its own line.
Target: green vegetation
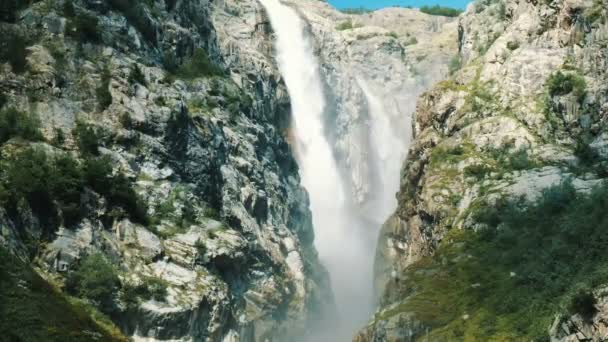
pixel 512 45
pixel 9 9
pixel 198 65
pixel 3 99
pixel 52 187
pixel 586 154
pixel 32 310
pixel 149 288
pixel 104 97
pixel 17 124
pixel 455 64
pixel 596 13
pixel 82 27
pixel 116 188
pixel 411 41
pixel 394 34
pixel 13 50
pixel 347 25
pixel 137 76
pixel 508 281
pixel 501 160
pixel 176 211
pixel 559 84
pixel 96 280
pixel 450 156
pixel 357 10
pixel 87 138
pixel 440 10
pixel 135 12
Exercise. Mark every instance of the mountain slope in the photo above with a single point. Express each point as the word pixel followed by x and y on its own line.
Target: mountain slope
pixel 525 117
pixel 145 167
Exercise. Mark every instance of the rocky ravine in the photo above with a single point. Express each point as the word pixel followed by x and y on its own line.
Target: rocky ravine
pixel 525 113
pixel 181 100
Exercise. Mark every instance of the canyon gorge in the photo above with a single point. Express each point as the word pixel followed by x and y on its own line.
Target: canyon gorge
pixel 279 170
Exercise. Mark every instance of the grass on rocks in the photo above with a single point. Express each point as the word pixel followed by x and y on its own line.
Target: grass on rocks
pixel 33 310
pixel 508 281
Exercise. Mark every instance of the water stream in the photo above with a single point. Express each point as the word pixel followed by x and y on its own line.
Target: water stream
pixel 343 237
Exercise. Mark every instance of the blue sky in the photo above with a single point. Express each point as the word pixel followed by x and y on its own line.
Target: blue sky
pixel 387 3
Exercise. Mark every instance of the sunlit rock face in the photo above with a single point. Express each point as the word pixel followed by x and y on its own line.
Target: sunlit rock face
pixel 503 99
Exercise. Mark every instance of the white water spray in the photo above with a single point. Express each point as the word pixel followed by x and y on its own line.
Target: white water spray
pixel 346 253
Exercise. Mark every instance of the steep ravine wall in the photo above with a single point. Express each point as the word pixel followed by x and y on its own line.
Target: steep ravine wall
pixel 180 106
pixel 525 113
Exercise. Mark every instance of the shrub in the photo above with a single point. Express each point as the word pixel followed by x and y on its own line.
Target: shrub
pixel 560 84
pixel 3 99
pixel 585 153
pixel 65 186
pixel 584 304
pixel 520 160
pixel 411 41
pixel 150 288
pixel 393 34
pixel 115 188
pixel 478 171
pixel 512 45
pixel 96 280
pixel 157 288
pixel 53 185
pixel 135 13
pixel 26 176
pixel 104 97
pixel 33 310
pixel 347 25
pixel 199 65
pixel 84 28
pixel 137 76
pixel 13 51
pixel 359 10
pixel 9 9
pixel 170 4
pixel 455 64
pixel 87 138
pixel 450 155
pixel 68 9
pixel 121 194
pixel 529 264
pixel 440 10
pixel 200 246
pixel 14 123
pixel 49 184
pixel 58 137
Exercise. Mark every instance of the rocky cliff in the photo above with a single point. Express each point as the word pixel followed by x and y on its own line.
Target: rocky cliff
pixel 501 209
pixel 148 140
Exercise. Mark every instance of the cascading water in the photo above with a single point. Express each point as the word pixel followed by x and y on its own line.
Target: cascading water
pixel 345 254
pixel 345 237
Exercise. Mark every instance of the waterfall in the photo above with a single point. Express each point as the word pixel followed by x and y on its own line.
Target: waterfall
pixel 388 148
pixel 347 253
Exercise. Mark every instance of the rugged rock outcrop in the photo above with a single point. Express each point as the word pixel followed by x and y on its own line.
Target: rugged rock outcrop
pixel 525 113
pixel 183 102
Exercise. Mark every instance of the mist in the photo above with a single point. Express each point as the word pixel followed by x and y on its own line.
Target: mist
pixel 345 236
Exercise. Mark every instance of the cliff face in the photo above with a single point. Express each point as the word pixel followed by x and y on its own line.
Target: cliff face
pixel 524 117
pixel 169 118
